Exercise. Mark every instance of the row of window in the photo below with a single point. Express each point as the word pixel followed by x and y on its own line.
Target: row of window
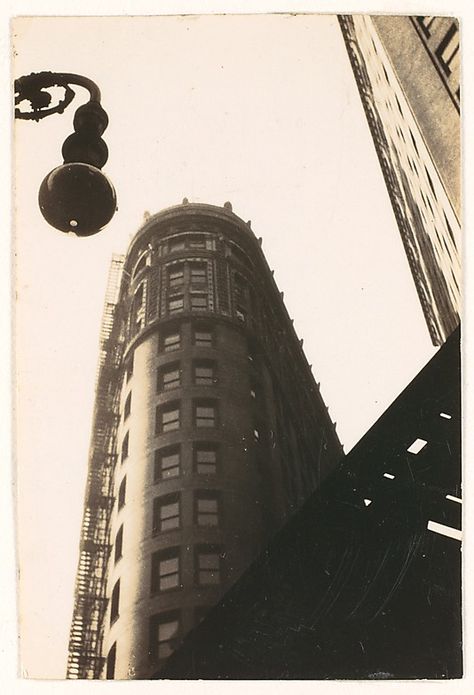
pixel 203 336
pixel 168 460
pixel 167 464
pixel 169 378
pixel 166 569
pixel 165 633
pixel 193 242
pixel 167 509
pixel 168 417
pixel 204 374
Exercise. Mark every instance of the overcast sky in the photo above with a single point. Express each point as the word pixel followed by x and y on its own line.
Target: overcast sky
pixel 261 111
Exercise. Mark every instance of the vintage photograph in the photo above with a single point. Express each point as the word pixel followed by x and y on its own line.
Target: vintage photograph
pixel 238 285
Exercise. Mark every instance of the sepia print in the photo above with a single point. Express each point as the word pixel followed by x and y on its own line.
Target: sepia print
pixel 238 346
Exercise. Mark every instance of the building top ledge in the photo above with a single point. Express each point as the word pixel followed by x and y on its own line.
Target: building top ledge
pixel 188 210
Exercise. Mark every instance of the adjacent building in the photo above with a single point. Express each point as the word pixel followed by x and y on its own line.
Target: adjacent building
pixel 407 70
pixel 209 431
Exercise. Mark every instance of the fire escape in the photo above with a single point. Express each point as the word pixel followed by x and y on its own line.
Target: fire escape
pixel 85 658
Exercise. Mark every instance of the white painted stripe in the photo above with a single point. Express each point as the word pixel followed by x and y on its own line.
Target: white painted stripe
pixel 389 476
pixel 417 446
pixel 444 530
pixel 445 415
pixel 454 499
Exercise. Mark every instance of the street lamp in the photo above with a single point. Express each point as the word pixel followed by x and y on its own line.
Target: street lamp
pixel 76 196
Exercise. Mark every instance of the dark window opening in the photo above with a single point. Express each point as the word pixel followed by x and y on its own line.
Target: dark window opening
pixel 166 513
pixel 165 570
pixel 203 337
pixel 208 565
pixel 169 377
pixel 197 241
pixel 205 458
pixel 175 305
pixel 204 373
pixel 125 447
pixel 198 273
pixel 118 544
pixel 198 302
pixel 205 415
pixel 121 494
pixel 176 276
pixel 207 509
pixel 172 341
pixel 129 367
pixel 127 407
pixel 167 463
pixel 176 245
pixel 164 634
pixel 169 419
pixel 114 604
pixel 111 658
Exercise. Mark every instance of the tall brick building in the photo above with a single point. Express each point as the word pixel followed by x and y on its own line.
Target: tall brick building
pixel 209 430
pixel 407 71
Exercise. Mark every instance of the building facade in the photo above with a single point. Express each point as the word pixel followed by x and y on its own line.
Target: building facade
pixel 218 434
pixel 407 72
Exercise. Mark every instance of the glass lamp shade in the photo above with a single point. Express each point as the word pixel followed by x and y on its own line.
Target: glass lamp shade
pixel 77 198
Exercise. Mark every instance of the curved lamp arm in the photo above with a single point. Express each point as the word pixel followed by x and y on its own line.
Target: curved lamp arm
pixel 33 88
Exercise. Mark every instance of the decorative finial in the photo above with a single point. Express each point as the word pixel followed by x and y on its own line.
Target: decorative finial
pixel 185 201
pixel 228 205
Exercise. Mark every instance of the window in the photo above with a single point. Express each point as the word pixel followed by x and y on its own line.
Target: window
pixel 208 565
pixel 167 419
pixel 129 367
pixel 111 657
pixel 169 377
pixel 175 305
pixel 166 513
pixel 176 275
pixel 167 462
pixel 205 458
pixel 240 286
pixel 198 273
pixel 198 302
pixel 165 570
pixel 197 241
pixel 118 544
pixel 125 447
pixel 203 337
pixel 127 407
pixel 121 494
pixel 164 632
pixel 207 509
pixel 114 604
pixel 205 415
pixel 205 373
pixel 172 341
pixel 176 245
